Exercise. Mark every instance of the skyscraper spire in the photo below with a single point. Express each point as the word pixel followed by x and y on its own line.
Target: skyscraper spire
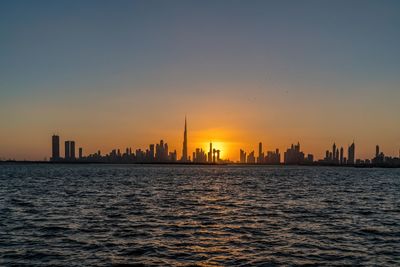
pixel 184 150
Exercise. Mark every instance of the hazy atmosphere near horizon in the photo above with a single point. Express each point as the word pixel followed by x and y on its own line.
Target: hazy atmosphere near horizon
pixel 116 74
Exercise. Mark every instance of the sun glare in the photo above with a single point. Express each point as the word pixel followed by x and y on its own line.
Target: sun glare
pixel 217 145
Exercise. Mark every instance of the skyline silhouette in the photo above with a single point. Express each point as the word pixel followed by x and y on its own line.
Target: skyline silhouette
pixel 161 153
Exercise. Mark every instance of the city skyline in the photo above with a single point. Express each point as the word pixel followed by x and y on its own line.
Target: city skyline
pixel 277 72
pixel 162 153
pixel 336 155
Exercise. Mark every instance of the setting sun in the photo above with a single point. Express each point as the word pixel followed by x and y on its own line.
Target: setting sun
pixel 217 145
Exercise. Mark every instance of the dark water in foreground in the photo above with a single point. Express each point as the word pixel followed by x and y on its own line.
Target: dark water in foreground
pixel 85 215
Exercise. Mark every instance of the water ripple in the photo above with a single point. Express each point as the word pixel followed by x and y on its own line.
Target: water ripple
pixel 111 215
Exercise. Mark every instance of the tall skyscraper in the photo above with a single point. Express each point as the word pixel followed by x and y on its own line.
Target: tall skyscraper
pixel 334 152
pixel 341 156
pixel 166 153
pixel 210 154
pixel 214 152
pixel 184 150
pixel 72 149
pixel 260 158
pixel 242 156
pixel 55 146
pixel 67 150
pixel 351 154
pixel 337 156
pixel 152 152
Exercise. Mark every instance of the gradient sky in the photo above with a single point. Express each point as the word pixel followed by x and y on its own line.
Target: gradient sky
pixel 112 74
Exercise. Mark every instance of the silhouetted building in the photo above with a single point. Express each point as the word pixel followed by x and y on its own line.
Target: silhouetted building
pixel 351 154
pixel 335 157
pixel 273 157
pixel 55 148
pixel 67 152
pixel 151 152
pixel 172 156
pixel 242 158
pixel 199 156
pixel 72 150
pixel 260 158
pixel 293 155
pixel 341 156
pixel 162 154
pixel 80 153
pixel 210 154
pixel 334 152
pixel 214 154
pixel 379 157
pixel 184 150
pixel 251 159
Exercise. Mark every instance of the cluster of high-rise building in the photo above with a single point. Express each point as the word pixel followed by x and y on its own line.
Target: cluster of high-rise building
pixel 69 150
pixel 293 155
pixel 337 157
pixel 381 160
pixel 211 157
pixel 199 156
pixel 271 157
pixel 160 153
pixel 247 158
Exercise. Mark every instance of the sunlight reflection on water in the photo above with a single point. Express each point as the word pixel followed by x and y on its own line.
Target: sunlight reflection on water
pixel 198 215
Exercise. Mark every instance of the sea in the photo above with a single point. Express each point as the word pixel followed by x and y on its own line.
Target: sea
pixel 183 215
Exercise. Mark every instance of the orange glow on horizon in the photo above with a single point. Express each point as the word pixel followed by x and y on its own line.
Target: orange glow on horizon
pixel 222 139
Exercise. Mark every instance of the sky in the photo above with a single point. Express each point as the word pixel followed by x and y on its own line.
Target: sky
pixel 117 74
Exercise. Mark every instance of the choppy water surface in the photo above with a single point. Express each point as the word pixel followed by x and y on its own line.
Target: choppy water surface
pixel 84 215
